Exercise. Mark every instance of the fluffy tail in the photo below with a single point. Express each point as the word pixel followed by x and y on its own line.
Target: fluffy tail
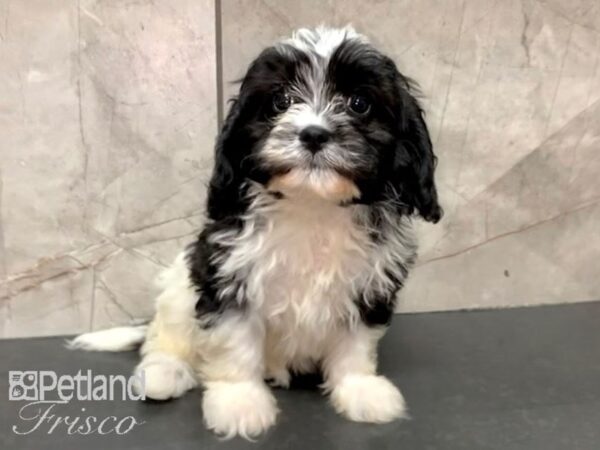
pixel 117 339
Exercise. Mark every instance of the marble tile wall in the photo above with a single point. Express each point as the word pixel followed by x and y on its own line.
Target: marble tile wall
pixel 100 99
pixel 107 119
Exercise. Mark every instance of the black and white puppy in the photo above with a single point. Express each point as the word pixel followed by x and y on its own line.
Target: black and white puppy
pixel 322 164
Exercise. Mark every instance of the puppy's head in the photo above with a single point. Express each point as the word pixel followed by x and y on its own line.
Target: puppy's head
pixel 327 113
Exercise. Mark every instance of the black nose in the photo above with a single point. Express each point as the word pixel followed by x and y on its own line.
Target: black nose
pixel 314 137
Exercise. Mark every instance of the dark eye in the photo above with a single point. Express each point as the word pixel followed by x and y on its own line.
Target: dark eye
pixel 359 104
pixel 281 102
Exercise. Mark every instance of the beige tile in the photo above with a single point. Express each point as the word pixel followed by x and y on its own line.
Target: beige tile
pixel 551 262
pixel 107 117
pixel 60 305
pixel 124 288
pixel 149 110
pixel 40 152
pixel 556 177
pixel 4 316
pixel 581 12
pixel 537 222
pixel 575 90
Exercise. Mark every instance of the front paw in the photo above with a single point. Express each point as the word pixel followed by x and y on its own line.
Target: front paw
pixel 164 376
pixel 368 398
pixel 280 378
pixel 245 408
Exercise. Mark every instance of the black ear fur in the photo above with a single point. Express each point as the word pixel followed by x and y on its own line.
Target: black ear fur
pixel 224 192
pixel 245 125
pixel 415 162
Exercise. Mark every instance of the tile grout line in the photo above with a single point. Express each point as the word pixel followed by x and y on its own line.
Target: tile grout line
pixel 219 62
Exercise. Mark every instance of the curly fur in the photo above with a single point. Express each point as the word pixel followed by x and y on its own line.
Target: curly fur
pixel 306 244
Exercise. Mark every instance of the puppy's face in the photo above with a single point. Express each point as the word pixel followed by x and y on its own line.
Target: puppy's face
pixel 328 113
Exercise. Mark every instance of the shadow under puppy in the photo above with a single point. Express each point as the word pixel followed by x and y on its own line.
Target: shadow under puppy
pixel 322 163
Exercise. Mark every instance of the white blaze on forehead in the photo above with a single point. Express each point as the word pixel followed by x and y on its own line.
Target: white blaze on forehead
pixel 306 117
pixel 319 44
pixel 323 41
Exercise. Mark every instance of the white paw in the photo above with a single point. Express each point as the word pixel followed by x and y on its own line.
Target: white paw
pixel 244 408
pixel 368 398
pixel 280 378
pixel 165 376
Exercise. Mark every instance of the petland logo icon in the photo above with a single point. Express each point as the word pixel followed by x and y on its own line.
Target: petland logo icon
pixel 23 385
pixel 46 392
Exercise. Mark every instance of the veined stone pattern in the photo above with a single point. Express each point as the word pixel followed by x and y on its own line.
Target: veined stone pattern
pixel 108 114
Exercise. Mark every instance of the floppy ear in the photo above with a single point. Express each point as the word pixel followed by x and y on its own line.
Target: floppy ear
pixel 414 163
pixel 244 126
pixel 224 196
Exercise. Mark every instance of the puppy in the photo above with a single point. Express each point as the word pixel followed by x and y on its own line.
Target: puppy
pixel 322 164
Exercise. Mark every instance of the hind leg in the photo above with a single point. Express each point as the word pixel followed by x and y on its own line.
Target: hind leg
pixel 168 355
pixel 227 356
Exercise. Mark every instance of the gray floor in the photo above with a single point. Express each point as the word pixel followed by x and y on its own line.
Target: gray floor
pixel 511 379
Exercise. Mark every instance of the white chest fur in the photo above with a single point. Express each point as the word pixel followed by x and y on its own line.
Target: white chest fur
pixel 312 259
pixel 305 261
pixel 306 275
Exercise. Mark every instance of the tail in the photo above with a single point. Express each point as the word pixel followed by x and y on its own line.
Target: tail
pixel 117 339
